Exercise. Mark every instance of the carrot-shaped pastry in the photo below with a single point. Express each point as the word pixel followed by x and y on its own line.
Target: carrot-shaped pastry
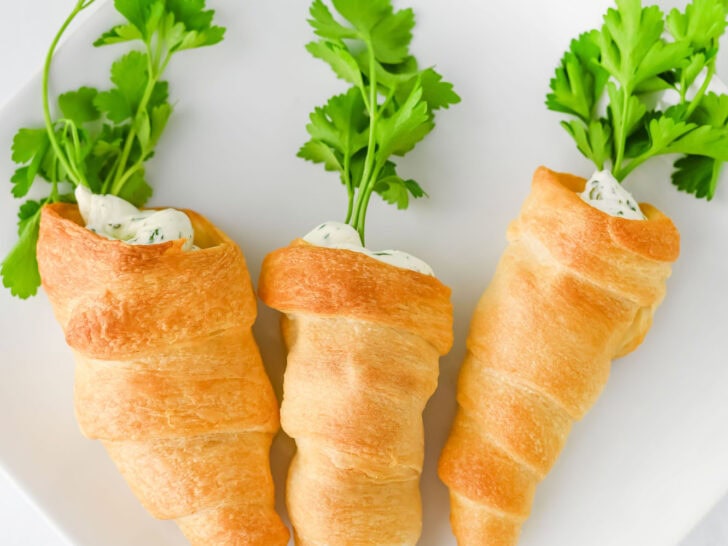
pixel 574 289
pixel 168 375
pixel 586 266
pixel 364 329
pixel 157 305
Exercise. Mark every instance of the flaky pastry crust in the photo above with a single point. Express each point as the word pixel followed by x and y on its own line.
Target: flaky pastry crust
pixel 574 289
pixel 168 374
pixel 364 339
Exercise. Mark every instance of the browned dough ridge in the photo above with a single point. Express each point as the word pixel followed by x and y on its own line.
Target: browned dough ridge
pixel 364 340
pixel 168 374
pixel 574 289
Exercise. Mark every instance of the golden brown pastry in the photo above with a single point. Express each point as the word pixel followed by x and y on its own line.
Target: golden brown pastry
pixel 574 289
pixel 364 339
pixel 168 374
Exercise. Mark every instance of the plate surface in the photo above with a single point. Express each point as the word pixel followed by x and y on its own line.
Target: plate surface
pixel 641 468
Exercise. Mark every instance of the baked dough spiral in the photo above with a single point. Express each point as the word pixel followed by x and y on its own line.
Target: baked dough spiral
pixel 574 289
pixel 364 339
pixel 168 374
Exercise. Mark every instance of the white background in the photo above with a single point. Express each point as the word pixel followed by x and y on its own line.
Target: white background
pixel 25 31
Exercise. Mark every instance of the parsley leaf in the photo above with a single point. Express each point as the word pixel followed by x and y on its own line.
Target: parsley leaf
pixel 701 25
pixel 593 140
pixel 579 81
pixel 131 77
pixel 697 174
pixel 395 190
pixel 114 105
pixel 27 143
pixel 436 93
pixel 136 189
pixel 712 111
pixel 29 146
pixel 388 109
pixel 138 13
pixel 325 25
pixel 19 270
pixel 392 35
pixel 317 151
pixel 192 14
pixel 27 213
pixel 341 124
pixel 78 106
pixel 398 133
pixel 104 137
pixel 640 50
pixel 339 59
pixel 364 15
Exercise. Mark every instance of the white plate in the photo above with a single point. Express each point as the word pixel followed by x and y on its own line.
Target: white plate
pixel 642 467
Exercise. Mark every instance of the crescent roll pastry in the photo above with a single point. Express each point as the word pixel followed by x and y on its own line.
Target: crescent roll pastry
pixel 574 289
pixel 364 339
pixel 168 375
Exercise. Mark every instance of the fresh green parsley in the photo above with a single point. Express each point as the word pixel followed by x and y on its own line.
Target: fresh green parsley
pixel 102 139
pixel 638 53
pixel 388 109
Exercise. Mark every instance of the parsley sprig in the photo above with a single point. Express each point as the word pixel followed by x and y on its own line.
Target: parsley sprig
pixel 638 52
pixel 102 139
pixel 387 110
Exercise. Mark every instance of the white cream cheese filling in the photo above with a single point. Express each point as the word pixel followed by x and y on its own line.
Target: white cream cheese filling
pixel 339 235
pixel 604 192
pixel 114 218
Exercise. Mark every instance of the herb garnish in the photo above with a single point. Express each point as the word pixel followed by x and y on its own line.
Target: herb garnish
pixel 387 110
pixel 103 138
pixel 638 52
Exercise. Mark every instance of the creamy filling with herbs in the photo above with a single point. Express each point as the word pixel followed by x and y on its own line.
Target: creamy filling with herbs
pixel 114 218
pixel 604 192
pixel 338 235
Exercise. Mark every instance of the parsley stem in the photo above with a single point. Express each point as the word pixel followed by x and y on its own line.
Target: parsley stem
pixel 621 174
pixel 129 173
pixel 54 182
pixel 703 88
pixel 73 174
pixel 119 178
pixel 155 55
pixel 366 177
pixel 349 187
pixel 621 139
pixel 107 181
pixel 122 175
pixel 367 194
pixel 70 126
